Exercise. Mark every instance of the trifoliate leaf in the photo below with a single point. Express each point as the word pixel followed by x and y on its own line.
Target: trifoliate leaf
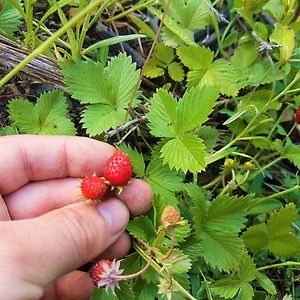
pixel 184 153
pixel 136 158
pixel 175 71
pixel 292 153
pixel 48 116
pixel 162 114
pixel 238 283
pixel 221 250
pixel 9 18
pixel 266 283
pixel 226 214
pixel 142 227
pixel 285 37
pixel 98 118
pixel 277 236
pixel 219 74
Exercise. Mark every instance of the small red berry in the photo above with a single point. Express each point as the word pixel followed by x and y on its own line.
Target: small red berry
pixel 93 187
pixel 298 115
pixel 118 169
pixel 105 273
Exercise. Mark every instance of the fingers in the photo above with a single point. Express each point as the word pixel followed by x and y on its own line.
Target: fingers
pixel 37 198
pixel 63 239
pixel 27 158
pixel 4 214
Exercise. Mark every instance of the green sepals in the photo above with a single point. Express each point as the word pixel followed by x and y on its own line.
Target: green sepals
pixel 48 116
pixel 238 283
pixel 218 74
pixel 171 119
pixel 136 158
pixel 108 94
pixel 141 227
pixel 9 17
pixel 275 236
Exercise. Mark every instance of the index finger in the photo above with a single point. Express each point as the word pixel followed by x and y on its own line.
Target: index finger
pixel 25 158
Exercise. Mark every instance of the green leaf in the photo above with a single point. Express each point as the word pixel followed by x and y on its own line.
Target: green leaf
pixel 285 37
pixel 142 227
pixel 266 283
pixel 238 283
pixel 226 214
pixel 194 107
pixel 162 114
pixel 275 8
pixel 85 81
pixel 8 130
pixel 196 57
pixel 9 18
pixel 103 294
pixel 136 158
pixel 292 153
pixel 255 237
pixel 164 181
pixel 184 153
pixel 48 116
pixel 221 250
pixel 176 71
pixel 277 235
pixel 164 53
pixel 182 20
pixel 219 74
pixel 98 118
pixel 209 135
pixel 152 69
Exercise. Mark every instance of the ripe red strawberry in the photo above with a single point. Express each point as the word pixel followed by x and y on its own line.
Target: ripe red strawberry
pixel 298 115
pixel 118 169
pixel 106 273
pixel 93 187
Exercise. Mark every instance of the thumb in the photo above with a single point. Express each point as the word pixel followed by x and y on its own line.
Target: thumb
pixel 64 239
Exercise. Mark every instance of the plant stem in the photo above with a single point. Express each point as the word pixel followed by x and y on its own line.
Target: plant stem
pixel 163 274
pixel 285 264
pixel 49 41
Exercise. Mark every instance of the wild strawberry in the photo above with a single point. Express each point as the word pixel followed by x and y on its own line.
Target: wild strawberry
pixel 106 273
pixel 93 187
pixel 118 169
pixel 298 115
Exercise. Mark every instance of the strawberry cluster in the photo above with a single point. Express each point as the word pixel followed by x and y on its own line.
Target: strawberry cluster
pixel 117 173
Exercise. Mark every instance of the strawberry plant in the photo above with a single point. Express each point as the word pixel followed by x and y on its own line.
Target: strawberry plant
pixel 203 104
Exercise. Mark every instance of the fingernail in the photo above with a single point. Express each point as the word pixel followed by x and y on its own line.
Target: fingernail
pixel 115 213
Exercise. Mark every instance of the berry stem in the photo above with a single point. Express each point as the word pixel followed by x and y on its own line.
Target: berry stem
pixel 173 238
pixel 134 275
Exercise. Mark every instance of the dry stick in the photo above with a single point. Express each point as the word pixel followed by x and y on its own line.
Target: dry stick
pixel 147 59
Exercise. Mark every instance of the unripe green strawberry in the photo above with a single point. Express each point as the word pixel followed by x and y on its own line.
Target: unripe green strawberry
pixel 118 169
pixel 93 187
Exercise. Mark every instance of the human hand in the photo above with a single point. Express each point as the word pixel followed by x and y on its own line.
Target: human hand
pixel 47 231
